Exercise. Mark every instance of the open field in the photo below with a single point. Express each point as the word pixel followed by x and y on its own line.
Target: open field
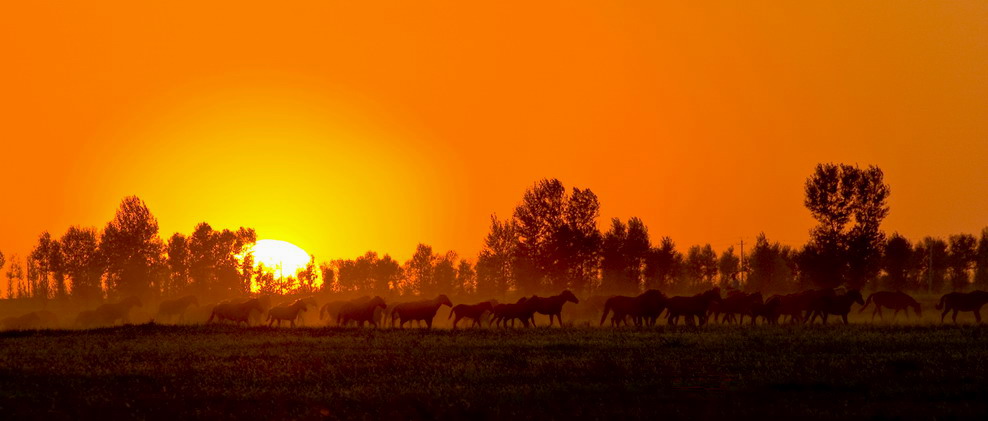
pixel 158 372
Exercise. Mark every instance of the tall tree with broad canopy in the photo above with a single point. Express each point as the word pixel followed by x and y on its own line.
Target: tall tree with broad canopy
pixel 849 204
pixel 133 250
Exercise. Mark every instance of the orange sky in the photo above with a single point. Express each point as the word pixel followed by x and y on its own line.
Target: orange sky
pixel 349 126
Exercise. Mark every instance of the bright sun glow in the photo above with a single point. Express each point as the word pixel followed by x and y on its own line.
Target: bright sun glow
pixel 281 256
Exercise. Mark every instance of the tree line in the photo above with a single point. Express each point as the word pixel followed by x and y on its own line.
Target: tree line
pixel 550 242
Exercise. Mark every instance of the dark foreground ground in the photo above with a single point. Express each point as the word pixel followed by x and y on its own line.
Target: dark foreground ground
pixel 724 372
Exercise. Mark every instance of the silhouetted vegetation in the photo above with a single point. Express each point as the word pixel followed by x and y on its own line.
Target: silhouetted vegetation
pixel 551 242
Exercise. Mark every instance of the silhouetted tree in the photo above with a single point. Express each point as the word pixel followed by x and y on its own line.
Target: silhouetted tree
pixel 33 280
pixel 387 276
pixel 132 249
pixel 664 266
pixel 579 241
pixel 613 263
pixel 496 262
pixel 10 289
pixel 466 278
pixel 624 250
pixel 772 267
pixel 849 205
pixel 444 273
pixel 267 283
pixel 701 266
pixel 42 255
pixel 960 260
pixel 728 266
pixel 179 260
pixel 981 264
pixel 896 262
pixel 306 277
pixel 539 218
pixel 931 262
pixel 368 274
pixel 15 272
pixel 419 272
pixel 213 262
pixel 558 240
pixel 83 263
pixel 635 249
pixel 328 277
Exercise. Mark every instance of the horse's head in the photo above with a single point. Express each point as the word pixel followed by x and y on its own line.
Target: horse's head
pixel 919 312
pixel 523 299
pixel 756 298
pixel 487 306
pixel 652 295
pixel 855 296
pixel 569 296
pixel 443 300
pixel 378 302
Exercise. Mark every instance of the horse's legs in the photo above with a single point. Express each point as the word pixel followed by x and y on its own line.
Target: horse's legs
pixel 428 323
pixel 955 316
pixel 945 311
pixel 977 315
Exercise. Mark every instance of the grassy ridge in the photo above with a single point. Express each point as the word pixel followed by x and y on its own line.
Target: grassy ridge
pixel 152 371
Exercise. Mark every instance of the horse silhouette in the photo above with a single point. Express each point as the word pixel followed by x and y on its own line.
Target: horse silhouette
pixel 552 306
pixel 767 311
pixel 108 314
pixel 836 304
pixel 736 303
pixel 795 305
pixel 236 312
pixel 519 310
pixel 175 309
pixel 690 307
pixel 331 310
pixel 424 310
pixel 287 313
pixel 360 312
pixel 471 311
pixel 644 308
pixel 893 300
pixel 960 301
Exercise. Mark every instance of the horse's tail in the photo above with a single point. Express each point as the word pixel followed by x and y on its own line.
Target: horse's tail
pixel 942 302
pixel 607 308
pixel 868 301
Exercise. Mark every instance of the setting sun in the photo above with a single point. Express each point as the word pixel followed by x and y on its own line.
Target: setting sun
pixel 284 258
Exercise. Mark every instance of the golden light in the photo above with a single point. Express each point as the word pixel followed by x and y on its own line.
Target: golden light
pixel 284 258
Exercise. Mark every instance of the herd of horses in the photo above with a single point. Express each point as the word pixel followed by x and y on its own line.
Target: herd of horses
pixel 644 309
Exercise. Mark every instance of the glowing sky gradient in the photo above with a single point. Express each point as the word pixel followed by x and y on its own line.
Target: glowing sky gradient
pixel 349 126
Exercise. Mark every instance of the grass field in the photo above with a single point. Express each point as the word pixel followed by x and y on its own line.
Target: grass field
pixel 162 372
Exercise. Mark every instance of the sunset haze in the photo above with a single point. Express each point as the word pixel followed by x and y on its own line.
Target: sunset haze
pixel 344 127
